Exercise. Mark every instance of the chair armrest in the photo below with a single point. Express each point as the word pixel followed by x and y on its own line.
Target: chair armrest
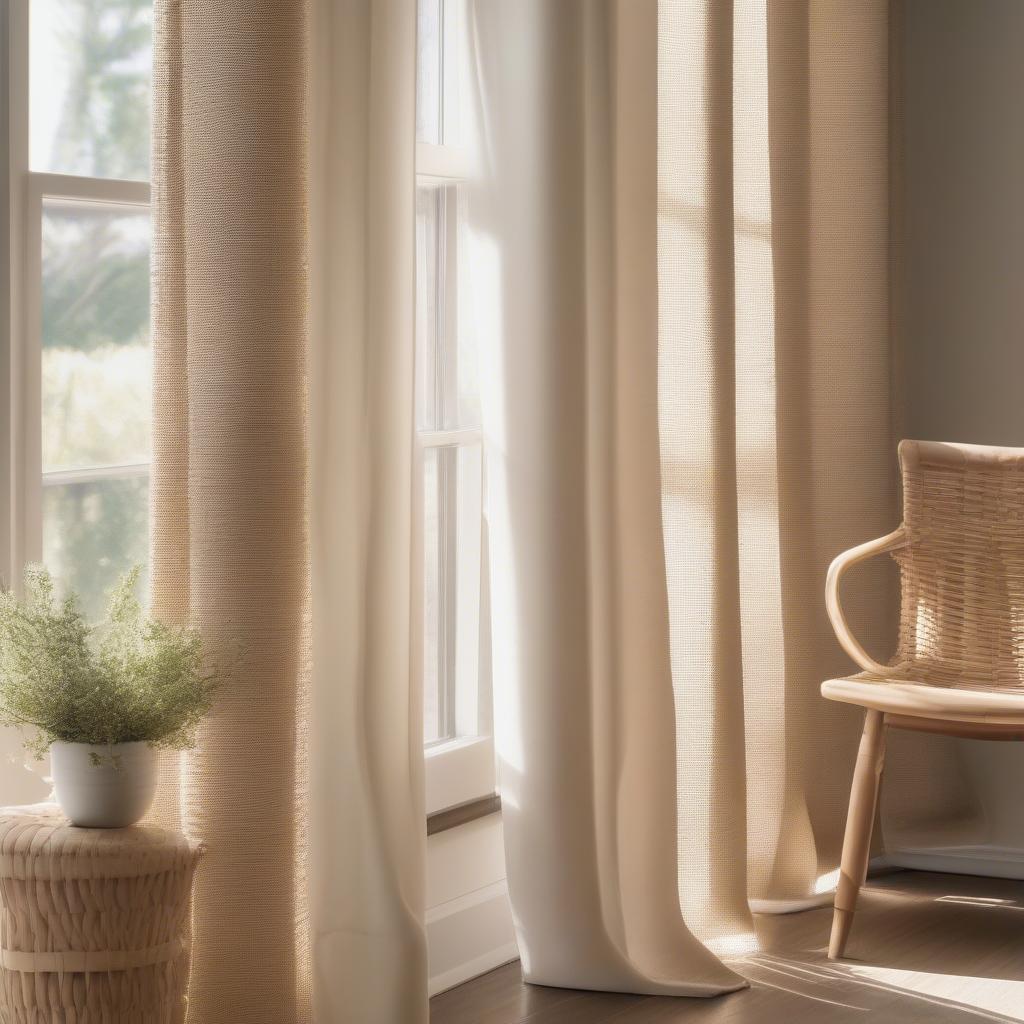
pixel 896 539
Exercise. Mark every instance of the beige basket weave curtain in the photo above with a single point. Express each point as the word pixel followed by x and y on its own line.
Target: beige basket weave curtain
pixel 776 416
pixel 229 474
pixel 282 433
pixel 776 440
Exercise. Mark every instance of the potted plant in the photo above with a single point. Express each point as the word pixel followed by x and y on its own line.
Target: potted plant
pixel 102 699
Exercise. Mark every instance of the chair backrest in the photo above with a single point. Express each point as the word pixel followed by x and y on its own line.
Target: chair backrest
pixel 962 573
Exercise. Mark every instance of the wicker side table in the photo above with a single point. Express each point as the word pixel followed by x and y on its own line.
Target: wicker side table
pixel 94 922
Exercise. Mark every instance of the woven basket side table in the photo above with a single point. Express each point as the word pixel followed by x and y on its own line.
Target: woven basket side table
pixel 94 923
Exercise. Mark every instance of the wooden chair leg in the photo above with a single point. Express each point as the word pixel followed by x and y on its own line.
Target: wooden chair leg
pixel 859 820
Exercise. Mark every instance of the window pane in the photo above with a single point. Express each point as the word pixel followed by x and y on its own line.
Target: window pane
pixel 446 375
pixel 467 342
pixel 429 71
pixel 430 321
pixel 436 723
pixel 96 354
pixel 451 592
pixel 89 80
pixel 93 533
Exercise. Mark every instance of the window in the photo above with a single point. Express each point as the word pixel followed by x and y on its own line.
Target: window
pixel 78 127
pixel 79 72
pixel 449 456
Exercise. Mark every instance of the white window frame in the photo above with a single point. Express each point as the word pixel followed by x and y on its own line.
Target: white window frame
pixel 15 69
pixel 21 468
pixel 459 769
pixel 9 228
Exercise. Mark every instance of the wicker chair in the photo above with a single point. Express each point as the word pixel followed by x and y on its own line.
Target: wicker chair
pixel 959 666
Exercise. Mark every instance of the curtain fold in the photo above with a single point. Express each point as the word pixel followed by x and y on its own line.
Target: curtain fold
pixel 283 326
pixel 368 820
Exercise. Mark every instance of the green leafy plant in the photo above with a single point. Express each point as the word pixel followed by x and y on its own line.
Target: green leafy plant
pixel 126 679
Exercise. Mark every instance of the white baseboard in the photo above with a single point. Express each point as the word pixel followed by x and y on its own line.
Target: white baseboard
pixel 978 859
pixel 469 936
pixel 473 969
pixel 469 918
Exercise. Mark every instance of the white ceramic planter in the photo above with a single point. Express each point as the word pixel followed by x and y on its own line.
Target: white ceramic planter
pixel 103 787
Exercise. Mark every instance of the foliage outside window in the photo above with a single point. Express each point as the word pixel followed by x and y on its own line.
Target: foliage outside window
pixel 84 336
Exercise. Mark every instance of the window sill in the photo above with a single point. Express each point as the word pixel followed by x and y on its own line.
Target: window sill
pixel 463 814
pixel 459 772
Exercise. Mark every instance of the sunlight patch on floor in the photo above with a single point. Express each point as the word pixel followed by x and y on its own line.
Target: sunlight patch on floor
pixel 777 973
pixel 980 901
pixel 992 995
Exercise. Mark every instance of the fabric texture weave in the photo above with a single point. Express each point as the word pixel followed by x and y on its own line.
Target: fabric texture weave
pixel 283 210
pixel 229 479
pixel 774 398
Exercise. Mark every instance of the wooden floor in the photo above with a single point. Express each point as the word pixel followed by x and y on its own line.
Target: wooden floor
pixel 925 949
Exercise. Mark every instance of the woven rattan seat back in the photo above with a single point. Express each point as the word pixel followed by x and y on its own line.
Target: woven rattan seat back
pixel 962 572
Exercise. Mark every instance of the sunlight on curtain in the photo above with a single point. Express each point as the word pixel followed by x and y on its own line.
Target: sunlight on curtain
pixel 775 426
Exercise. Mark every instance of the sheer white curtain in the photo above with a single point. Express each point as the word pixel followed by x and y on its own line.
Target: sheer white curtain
pixel 367 817
pixel 566 252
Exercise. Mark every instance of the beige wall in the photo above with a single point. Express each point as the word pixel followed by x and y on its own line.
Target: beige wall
pixel 963 216
pixel 962 200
